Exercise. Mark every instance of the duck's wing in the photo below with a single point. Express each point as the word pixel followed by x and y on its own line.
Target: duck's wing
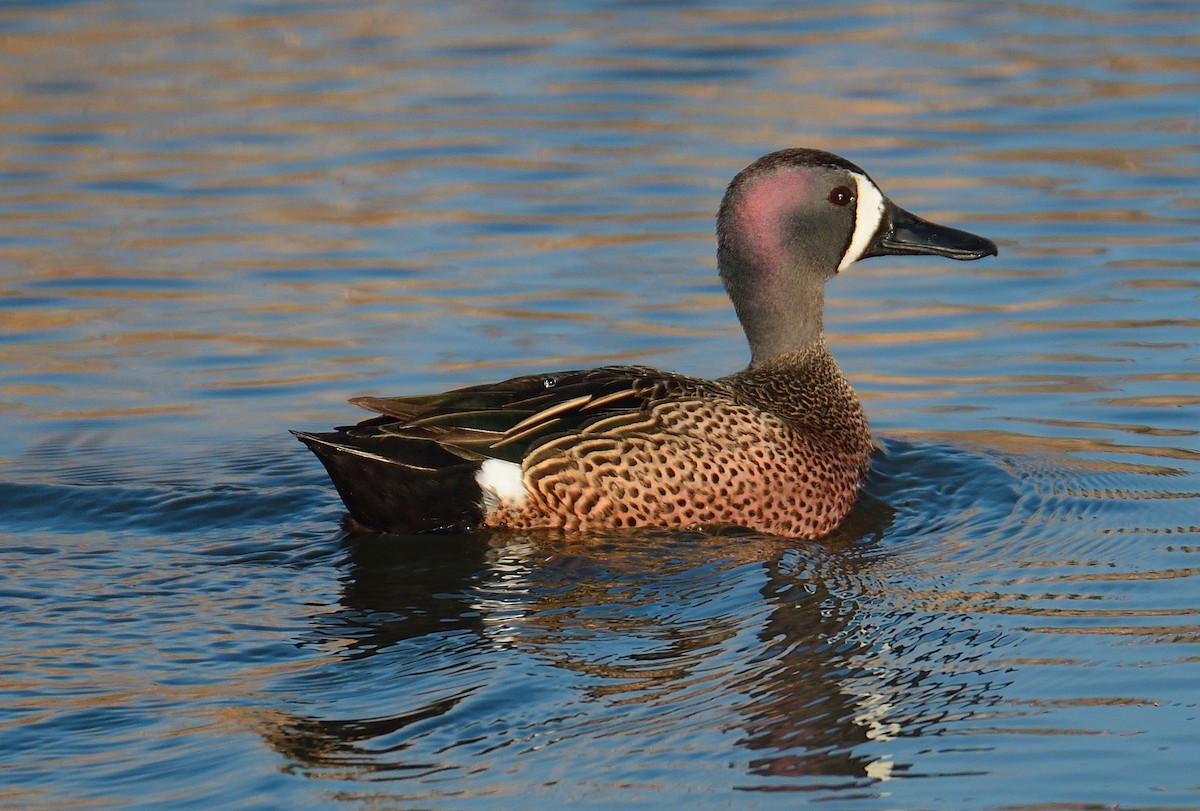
pixel 504 420
pixel 414 467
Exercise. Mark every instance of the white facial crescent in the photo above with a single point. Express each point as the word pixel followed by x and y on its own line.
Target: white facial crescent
pixel 868 214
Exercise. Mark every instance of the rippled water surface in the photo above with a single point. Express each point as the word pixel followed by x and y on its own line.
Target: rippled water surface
pixel 218 220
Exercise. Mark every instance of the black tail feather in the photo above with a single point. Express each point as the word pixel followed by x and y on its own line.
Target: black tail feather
pixel 384 491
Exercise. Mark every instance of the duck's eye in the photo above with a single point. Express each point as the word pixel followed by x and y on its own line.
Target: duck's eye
pixel 841 196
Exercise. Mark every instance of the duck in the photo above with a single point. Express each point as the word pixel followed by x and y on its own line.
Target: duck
pixel 781 447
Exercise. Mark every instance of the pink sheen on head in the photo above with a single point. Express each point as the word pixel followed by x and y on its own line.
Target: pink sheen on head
pixel 759 216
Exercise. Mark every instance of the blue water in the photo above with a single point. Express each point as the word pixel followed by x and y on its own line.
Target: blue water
pixel 220 220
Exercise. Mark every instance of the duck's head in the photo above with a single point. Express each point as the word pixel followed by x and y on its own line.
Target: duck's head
pixel 792 220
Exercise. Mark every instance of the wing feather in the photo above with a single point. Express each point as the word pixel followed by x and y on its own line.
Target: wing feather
pixel 506 420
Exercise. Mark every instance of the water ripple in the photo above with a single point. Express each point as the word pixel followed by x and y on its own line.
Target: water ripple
pixel 220 221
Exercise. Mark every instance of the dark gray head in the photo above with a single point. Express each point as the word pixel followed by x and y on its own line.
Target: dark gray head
pixel 792 220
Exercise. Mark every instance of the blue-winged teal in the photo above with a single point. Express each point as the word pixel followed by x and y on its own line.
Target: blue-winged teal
pixel 781 447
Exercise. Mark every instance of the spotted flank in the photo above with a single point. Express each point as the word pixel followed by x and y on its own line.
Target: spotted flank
pixel 781 447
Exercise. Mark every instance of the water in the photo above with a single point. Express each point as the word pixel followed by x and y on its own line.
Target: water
pixel 219 220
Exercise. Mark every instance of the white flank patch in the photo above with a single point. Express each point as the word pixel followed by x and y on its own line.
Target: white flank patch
pixel 501 482
pixel 867 216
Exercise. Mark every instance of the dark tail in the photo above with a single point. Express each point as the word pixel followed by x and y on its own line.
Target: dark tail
pixel 398 485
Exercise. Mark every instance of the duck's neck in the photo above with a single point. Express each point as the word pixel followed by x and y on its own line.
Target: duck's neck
pixel 787 326
pixel 781 308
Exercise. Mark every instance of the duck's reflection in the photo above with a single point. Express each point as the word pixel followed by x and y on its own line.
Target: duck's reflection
pixel 399 588
pixel 650 629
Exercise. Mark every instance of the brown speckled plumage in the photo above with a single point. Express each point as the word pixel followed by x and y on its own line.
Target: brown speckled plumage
pixel 750 450
pixel 780 447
